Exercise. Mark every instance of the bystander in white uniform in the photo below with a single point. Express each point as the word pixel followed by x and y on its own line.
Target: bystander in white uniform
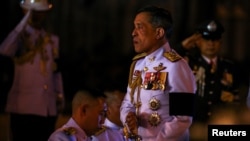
pixel 36 95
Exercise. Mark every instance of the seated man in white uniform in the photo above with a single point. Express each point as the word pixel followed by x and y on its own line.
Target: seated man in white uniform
pixel 84 125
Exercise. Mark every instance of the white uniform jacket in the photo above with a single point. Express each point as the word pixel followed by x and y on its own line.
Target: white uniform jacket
pixel 37 84
pixel 163 85
pixel 72 132
pixel 69 132
pixel 115 128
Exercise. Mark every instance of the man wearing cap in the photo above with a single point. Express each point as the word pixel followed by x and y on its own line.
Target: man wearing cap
pixel 37 90
pixel 215 75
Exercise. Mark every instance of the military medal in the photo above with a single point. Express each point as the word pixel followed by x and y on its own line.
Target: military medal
pixel 69 130
pixel 162 87
pixel 212 70
pixel 154 81
pixel 137 73
pixel 154 119
pixel 227 79
pixel 159 67
pixel 154 104
pixel 145 68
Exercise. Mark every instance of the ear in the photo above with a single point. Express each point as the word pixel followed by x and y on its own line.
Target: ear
pixel 84 109
pixel 160 33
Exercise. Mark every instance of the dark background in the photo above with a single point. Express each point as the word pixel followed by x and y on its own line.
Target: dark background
pixel 95 36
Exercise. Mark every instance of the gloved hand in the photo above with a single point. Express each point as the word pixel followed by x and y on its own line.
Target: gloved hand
pixel 60 103
pixel 227 96
pixel 132 123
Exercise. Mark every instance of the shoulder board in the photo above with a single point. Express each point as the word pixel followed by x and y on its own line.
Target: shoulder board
pixel 172 56
pixel 69 130
pixel 101 130
pixel 139 56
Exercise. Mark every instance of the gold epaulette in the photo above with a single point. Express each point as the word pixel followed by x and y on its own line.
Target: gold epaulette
pixel 69 130
pixel 101 130
pixel 172 56
pixel 139 56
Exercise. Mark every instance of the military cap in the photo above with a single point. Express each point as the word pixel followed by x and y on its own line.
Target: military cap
pixel 37 5
pixel 210 29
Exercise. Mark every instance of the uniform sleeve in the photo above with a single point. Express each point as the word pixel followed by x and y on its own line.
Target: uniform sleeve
pixel 176 129
pixel 181 78
pixel 126 106
pixel 10 44
pixel 182 88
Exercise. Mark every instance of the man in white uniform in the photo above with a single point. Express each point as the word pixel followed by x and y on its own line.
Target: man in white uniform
pixel 36 95
pixel 158 105
pixel 84 124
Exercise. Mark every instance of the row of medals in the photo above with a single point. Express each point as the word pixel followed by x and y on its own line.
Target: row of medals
pixel 154 104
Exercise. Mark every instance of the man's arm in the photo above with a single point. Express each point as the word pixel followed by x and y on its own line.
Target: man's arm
pixel 8 47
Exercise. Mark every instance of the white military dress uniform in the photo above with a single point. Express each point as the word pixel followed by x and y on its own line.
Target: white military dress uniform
pixel 72 132
pixel 69 132
pixel 37 81
pixel 161 91
pixel 115 128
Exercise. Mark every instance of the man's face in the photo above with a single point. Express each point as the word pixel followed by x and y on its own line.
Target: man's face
pixel 144 34
pixel 37 18
pixel 94 114
pixel 209 48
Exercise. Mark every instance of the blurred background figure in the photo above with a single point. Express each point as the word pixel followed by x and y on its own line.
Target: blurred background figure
pixel 36 95
pixel 217 86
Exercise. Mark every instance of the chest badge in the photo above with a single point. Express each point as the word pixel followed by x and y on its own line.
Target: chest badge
pixel 154 104
pixel 154 119
pixel 160 67
pixel 145 69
